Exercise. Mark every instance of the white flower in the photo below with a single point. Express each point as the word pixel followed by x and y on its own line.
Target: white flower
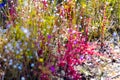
pixel 10 62
pixel 22 78
pixel 114 34
pixel 26 31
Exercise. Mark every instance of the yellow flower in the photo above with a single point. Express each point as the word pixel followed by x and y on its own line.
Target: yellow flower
pixel 41 60
pixel 66 6
pixel 83 5
pixel 1 1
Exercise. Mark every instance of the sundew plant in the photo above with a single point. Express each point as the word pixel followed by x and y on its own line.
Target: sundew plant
pixel 58 39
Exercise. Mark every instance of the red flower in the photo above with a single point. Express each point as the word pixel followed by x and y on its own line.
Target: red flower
pixel 44 3
pixel 40 52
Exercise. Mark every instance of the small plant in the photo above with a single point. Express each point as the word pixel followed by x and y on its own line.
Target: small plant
pixel 47 39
